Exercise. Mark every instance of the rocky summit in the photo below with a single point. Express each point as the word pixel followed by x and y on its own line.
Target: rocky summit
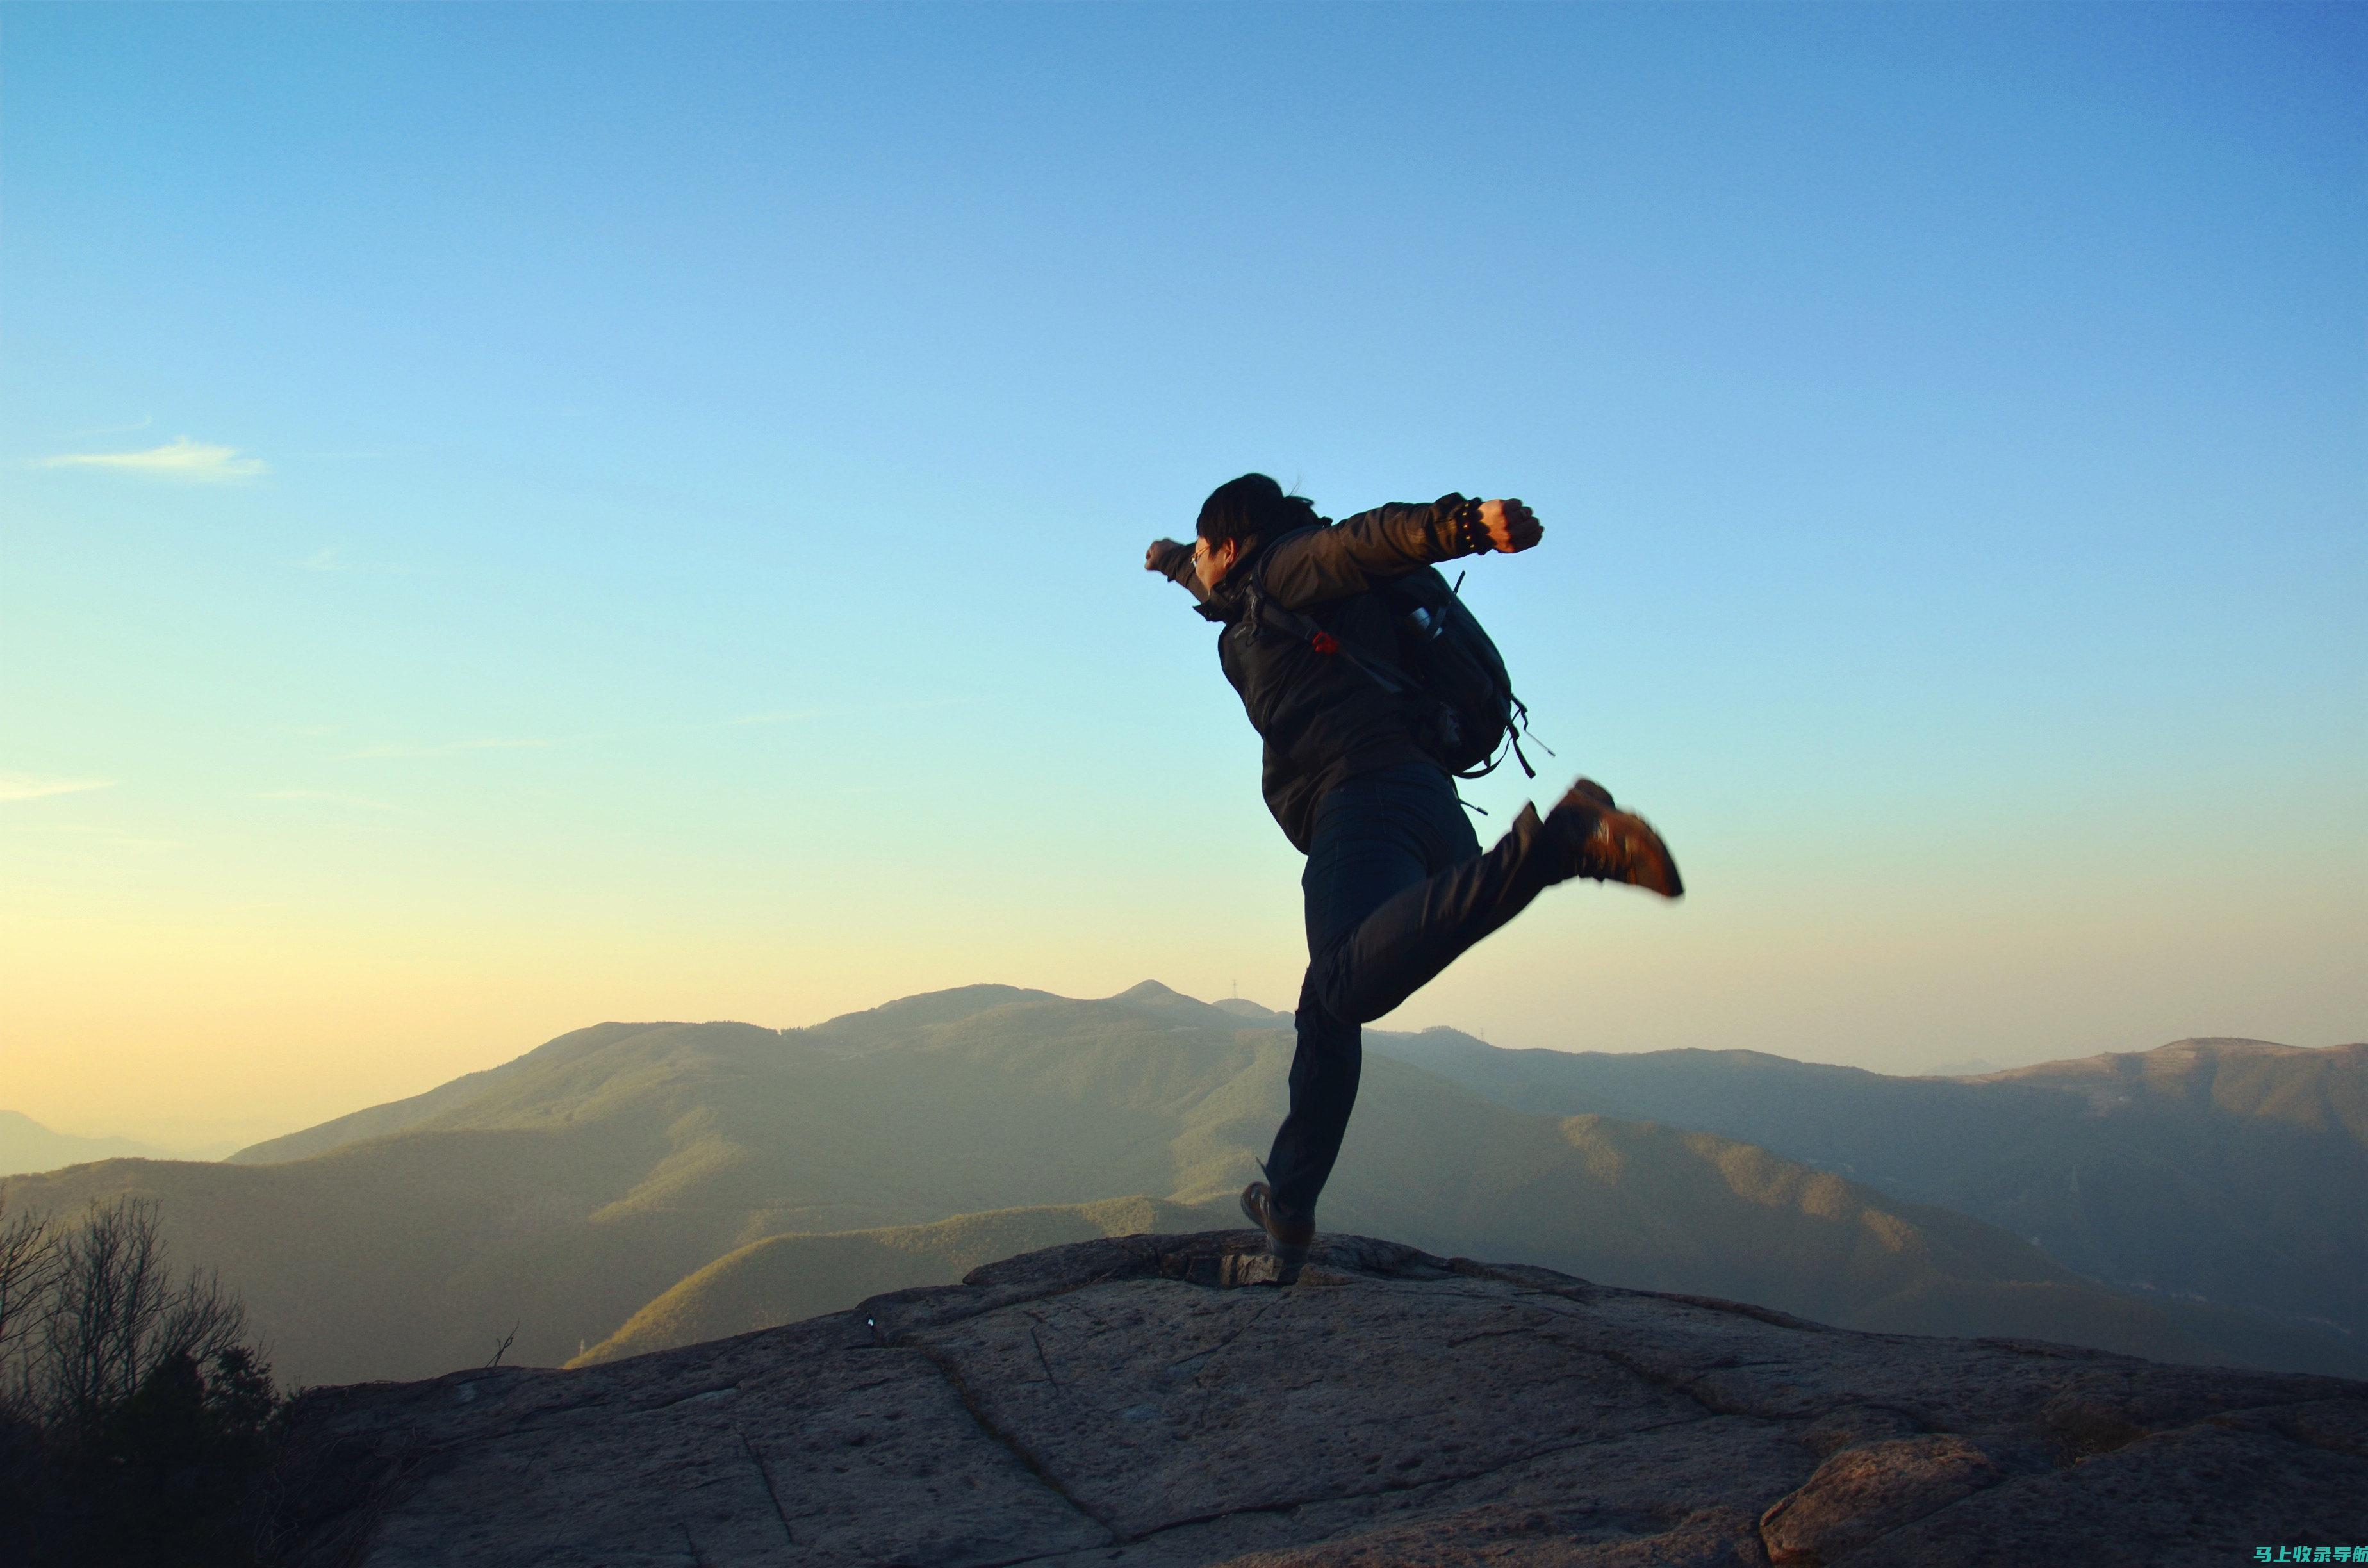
pixel 1159 1400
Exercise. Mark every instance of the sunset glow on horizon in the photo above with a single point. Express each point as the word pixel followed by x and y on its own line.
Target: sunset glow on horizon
pixel 515 517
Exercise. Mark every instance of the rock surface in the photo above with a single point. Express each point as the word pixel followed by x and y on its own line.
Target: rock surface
pixel 1157 1402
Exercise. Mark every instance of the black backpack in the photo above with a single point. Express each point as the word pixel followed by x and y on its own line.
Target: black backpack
pixel 1459 699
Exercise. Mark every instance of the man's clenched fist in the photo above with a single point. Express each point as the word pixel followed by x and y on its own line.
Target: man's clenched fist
pixel 1510 525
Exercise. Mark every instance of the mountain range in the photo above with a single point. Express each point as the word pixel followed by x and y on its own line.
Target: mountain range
pixel 2193 1172
pixel 27 1146
pixel 631 1187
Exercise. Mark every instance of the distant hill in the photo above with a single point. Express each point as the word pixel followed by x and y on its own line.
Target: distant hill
pixel 26 1145
pixel 398 1116
pixel 2229 1172
pixel 787 1279
pixel 1686 1211
pixel 572 1189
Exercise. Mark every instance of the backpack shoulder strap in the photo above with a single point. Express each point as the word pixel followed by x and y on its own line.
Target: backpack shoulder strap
pixel 1262 610
pixel 1264 613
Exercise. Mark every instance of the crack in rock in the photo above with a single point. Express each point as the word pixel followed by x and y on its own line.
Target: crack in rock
pixel 1473 1338
pixel 685 1399
pixel 1017 1449
pixel 1353 1440
pixel 765 1476
pixel 1041 1360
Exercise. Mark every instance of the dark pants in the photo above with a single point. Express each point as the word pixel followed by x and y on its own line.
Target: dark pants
pixel 1396 886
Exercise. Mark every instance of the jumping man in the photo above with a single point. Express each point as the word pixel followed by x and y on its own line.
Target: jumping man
pixel 1395 884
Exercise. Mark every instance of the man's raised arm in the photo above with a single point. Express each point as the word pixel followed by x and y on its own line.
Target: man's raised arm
pixel 1174 561
pixel 1389 541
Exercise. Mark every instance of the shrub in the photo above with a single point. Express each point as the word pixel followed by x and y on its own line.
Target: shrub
pixel 135 1416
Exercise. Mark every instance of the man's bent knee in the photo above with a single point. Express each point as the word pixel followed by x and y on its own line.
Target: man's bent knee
pixel 1320 1018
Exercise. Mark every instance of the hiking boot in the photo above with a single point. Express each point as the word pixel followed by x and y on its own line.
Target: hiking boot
pixel 1287 1240
pixel 1600 841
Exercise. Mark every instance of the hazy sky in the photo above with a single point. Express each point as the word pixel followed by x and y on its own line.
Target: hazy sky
pixel 510 519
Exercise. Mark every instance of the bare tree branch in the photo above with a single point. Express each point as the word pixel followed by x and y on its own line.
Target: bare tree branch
pixel 117 1315
pixel 28 1260
pixel 502 1345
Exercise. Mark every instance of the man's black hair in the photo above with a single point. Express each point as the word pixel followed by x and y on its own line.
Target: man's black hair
pixel 1252 506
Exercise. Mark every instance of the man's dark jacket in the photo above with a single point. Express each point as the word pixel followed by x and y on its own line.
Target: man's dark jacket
pixel 1322 718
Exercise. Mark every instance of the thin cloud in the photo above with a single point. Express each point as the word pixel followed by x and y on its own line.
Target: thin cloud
pixel 95 433
pixel 447 749
pixel 325 797
pixel 25 786
pixel 104 837
pixel 182 458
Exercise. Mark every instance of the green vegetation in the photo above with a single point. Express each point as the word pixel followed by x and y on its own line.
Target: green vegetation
pixel 2209 1173
pixel 787 1279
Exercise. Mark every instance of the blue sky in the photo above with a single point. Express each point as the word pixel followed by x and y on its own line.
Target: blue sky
pixel 637 511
